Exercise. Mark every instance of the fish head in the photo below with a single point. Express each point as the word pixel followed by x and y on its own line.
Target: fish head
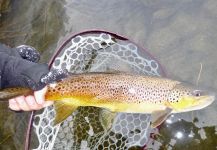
pixel 186 97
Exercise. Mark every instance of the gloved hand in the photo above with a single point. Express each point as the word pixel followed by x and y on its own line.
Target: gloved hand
pixel 37 101
pixel 22 70
pixel 23 51
pixel 28 52
pixel 18 68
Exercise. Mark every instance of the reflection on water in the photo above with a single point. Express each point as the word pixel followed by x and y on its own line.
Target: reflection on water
pixel 181 34
pixel 37 23
pixel 185 135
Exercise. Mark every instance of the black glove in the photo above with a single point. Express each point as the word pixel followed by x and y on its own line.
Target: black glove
pixel 21 72
pixel 16 71
pixel 54 75
pixel 17 67
pixel 23 51
pixel 29 53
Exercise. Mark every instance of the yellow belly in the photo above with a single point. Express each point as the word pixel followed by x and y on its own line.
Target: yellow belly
pixel 115 106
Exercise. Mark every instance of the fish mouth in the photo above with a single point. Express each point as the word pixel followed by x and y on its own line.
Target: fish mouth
pixel 207 100
pixel 202 102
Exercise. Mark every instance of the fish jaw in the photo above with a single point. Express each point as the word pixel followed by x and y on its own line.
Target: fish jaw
pixel 194 103
pixel 204 101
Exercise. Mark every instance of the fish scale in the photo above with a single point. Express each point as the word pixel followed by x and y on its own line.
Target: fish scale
pixel 121 92
pixel 115 87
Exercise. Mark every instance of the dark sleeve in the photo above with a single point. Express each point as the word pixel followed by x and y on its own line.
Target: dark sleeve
pixel 15 71
pixel 10 51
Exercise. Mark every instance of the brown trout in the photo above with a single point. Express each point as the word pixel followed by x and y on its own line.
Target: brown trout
pixel 119 92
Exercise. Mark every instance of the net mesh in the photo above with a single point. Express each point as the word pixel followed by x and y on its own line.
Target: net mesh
pixel 85 129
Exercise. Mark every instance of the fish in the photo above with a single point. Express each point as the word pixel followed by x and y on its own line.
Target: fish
pixel 121 92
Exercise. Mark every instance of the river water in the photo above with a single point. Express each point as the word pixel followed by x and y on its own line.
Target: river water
pixel 180 34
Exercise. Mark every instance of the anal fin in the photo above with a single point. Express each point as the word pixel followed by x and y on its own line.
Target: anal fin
pixel 158 117
pixel 63 110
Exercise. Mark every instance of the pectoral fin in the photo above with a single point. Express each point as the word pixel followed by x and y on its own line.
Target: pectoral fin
pixel 63 110
pixel 106 118
pixel 159 117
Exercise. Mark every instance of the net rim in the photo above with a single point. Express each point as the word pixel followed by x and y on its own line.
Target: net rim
pixel 68 38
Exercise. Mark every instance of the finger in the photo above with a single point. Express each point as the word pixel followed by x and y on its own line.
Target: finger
pixel 31 102
pixel 22 103
pixel 13 105
pixel 47 103
pixel 40 95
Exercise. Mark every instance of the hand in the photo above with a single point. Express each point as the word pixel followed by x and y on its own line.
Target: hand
pixel 28 52
pixel 30 102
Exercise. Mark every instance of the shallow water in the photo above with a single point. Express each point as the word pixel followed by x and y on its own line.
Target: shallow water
pixel 180 34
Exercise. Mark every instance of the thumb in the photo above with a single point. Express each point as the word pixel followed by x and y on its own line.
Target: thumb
pixel 40 95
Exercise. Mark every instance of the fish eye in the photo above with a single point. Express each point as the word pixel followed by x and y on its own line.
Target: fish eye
pixel 196 93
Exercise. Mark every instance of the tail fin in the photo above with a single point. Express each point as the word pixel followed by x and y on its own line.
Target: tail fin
pixel 8 93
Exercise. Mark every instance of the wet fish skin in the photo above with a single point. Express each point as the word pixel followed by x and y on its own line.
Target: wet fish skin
pixel 127 93
pixel 102 88
pixel 9 93
pixel 119 92
pixel 110 90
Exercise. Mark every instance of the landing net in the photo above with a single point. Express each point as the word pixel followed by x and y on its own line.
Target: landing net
pixel 97 51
